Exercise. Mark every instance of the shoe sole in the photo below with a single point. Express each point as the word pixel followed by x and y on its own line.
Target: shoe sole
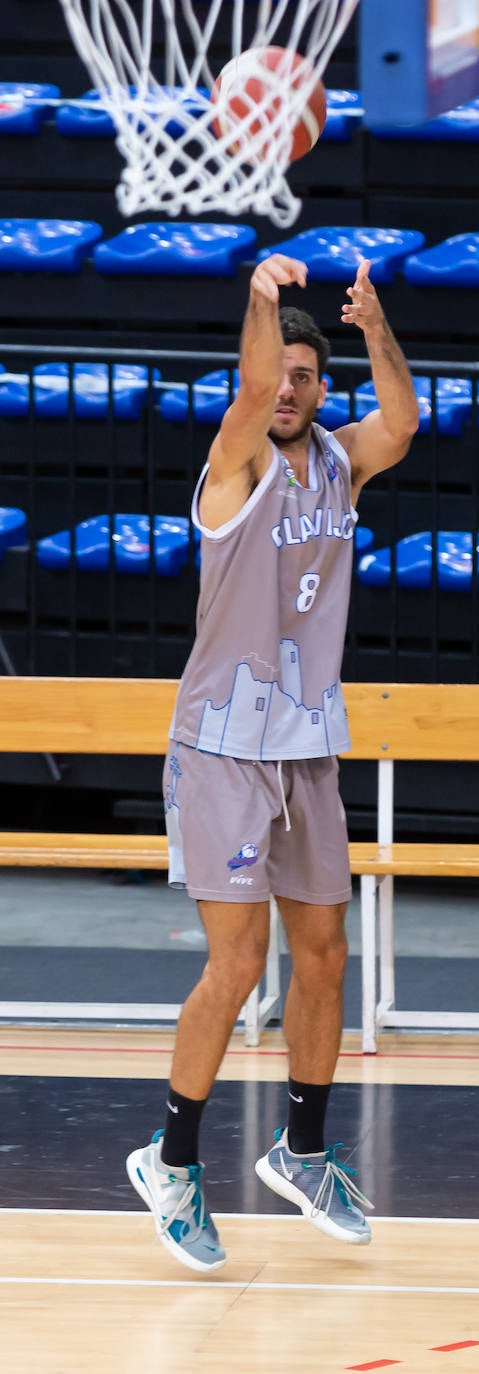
pixel 133 1164
pixel 322 1221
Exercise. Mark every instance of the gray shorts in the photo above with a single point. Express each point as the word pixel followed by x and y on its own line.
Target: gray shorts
pixel 226 821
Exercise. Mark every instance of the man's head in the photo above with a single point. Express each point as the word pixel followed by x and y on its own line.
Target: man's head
pixel 302 389
pixel 297 327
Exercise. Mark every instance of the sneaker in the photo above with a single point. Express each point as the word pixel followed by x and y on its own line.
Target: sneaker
pixel 175 1197
pixel 321 1186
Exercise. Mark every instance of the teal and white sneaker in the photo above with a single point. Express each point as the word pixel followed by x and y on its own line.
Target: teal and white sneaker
pixel 320 1186
pixel 175 1197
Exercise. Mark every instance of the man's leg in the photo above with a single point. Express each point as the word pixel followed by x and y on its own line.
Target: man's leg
pixel 167 1173
pixel 313 1015
pixel 298 1167
pixel 237 936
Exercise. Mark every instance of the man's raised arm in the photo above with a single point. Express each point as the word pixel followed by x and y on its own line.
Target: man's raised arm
pixel 242 438
pixel 383 437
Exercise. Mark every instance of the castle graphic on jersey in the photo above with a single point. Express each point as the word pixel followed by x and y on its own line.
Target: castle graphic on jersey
pixel 268 720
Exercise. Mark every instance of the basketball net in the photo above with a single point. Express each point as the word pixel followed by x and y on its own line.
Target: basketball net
pixel 175 159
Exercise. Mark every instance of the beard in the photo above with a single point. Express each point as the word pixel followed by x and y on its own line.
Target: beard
pixel 294 436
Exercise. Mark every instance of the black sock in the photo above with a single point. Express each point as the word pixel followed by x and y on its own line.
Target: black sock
pixel 307 1110
pixel 182 1125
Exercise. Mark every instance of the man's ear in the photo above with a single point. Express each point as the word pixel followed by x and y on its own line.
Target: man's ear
pixel 322 392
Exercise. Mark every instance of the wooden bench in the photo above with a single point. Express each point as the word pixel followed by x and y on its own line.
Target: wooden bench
pixel 388 722
pixel 398 722
pixel 101 716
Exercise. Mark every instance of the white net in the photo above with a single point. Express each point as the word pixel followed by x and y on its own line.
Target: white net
pixel 177 144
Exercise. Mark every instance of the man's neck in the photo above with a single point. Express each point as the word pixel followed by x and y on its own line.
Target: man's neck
pixel 297 454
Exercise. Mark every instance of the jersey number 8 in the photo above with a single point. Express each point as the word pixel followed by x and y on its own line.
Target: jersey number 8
pixel 308 587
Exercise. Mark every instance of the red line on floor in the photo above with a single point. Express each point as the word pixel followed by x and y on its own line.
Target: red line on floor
pixel 458 1345
pixel 374 1364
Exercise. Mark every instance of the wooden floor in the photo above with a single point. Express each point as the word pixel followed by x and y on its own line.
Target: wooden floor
pixel 402 1058
pixel 95 1291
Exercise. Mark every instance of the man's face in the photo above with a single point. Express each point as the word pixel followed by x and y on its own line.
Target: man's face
pixel 300 394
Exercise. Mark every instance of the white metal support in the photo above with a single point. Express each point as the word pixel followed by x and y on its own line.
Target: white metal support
pixel 430 1020
pixel 256 1013
pixel 385 801
pixel 384 1012
pixel 118 1012
pixel 250 1015
pixel 368 936
pixel 386 884
pixel 386 941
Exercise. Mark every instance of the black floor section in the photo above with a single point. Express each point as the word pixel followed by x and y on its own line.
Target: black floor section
pixel 137 975
pixel 64 1143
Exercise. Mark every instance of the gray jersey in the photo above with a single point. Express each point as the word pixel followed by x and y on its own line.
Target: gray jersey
pixel 262 680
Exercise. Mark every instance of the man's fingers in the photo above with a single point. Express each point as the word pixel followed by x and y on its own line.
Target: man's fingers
pixel 267 288
pixel 363 270
pixel 362 282
pixel 287 262
pixel 286 270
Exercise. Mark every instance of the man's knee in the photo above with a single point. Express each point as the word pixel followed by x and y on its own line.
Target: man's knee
pixel 236 969
pixel 321 959
pixel 233 982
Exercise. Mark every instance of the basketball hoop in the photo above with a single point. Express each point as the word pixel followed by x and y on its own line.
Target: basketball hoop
pixel 177 159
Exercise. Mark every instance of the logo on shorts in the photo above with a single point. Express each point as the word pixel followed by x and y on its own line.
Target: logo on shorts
pixel 170 792
pixel 247 855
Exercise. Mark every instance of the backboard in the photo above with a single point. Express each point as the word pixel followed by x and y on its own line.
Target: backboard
pixel 418 58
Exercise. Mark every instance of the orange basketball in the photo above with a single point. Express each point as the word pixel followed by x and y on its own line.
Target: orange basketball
pixel 242 86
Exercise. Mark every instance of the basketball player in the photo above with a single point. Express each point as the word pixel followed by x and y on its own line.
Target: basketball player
pixel 251 778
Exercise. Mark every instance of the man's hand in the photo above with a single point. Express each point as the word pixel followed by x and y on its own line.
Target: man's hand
pixel 364 309
pixel 276 271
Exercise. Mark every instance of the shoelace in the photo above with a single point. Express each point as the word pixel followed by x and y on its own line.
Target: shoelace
pixel 338 1176
pixel 183 1202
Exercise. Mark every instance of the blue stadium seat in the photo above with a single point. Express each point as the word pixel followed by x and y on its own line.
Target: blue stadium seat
pixel 131 534
pixel 335 411
pixel 414 562
pixel 344 115
pixel 457 126
pixel 46 245
pixel 24 106
pixel 84 121
pixel 453 403
pixel 454 262
pixel 176 249
pixel 211 397
pixel 334 253
pixel 13 527
pixel 81 119
pixel 363 539
pixel 90 391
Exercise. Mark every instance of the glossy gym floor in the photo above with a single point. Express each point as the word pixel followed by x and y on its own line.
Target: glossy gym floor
pixel 84 1283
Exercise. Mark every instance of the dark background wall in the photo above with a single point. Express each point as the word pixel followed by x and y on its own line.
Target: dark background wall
pixel 61 475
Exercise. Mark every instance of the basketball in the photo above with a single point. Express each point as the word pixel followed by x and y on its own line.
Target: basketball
pixel 252 80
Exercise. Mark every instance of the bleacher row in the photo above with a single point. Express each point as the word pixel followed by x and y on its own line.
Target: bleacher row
pixel 332 253
pixel 26 106
pixel 126 542
pixel 91 392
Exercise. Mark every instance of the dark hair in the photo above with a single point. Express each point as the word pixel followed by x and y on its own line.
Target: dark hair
pixel 299 327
